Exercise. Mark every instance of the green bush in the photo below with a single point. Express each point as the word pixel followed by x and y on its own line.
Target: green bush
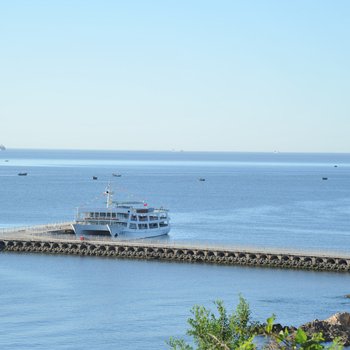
pixel 223 331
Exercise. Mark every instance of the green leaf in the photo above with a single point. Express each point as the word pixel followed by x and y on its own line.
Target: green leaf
pixel 178 344
pixel 269 324
pixel 300 337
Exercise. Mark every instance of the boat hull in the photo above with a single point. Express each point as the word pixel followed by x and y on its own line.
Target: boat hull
pixel 96 230
pixel 116 231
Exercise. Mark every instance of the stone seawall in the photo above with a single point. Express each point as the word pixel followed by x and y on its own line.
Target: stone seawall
pixel 185 254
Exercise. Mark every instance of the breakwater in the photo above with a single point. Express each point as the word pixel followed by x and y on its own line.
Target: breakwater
pixel 175 252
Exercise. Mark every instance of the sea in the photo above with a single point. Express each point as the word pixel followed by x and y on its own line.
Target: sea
pixel 264 201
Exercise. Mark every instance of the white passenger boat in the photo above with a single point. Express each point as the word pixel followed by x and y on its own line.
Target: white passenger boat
pixel 128 220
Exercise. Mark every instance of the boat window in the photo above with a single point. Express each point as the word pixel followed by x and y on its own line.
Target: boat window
pixel 163 224
pixel 113 215
pixel 143 217
pixel 142 226
pixel 103 215
pixel 153 225
pixel 132 226
pixel 123 216
pixel 153 218
pixel 133 217
pixel 97 215
pixel 108 215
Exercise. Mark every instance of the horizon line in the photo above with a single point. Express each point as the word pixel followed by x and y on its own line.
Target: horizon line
pixel 172 151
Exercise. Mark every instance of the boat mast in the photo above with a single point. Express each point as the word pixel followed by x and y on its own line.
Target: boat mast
pixel 109 194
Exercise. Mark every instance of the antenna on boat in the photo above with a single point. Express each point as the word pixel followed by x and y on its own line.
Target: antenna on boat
pixel 109 194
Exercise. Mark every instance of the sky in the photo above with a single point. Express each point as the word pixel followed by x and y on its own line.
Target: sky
pixel 192 75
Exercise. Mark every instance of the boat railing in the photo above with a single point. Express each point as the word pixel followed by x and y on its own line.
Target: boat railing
pixel 160 210
pixel 101 221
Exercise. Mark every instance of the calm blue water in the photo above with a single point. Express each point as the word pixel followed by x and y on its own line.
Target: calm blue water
pixel 260 200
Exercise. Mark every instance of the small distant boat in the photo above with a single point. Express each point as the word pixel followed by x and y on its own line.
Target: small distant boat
pixel 201 179
pixel 116 175
pixel 6 160
pixel 22 174
pixel 2 148
pixel 325 178
pixel 94 177
pixel 335 166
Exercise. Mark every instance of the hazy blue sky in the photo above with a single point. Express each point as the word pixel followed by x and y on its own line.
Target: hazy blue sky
pixel 217 75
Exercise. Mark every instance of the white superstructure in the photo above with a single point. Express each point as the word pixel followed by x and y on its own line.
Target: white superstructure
pixel 122 219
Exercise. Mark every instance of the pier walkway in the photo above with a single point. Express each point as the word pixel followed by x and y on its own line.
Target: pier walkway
pixel 58 239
